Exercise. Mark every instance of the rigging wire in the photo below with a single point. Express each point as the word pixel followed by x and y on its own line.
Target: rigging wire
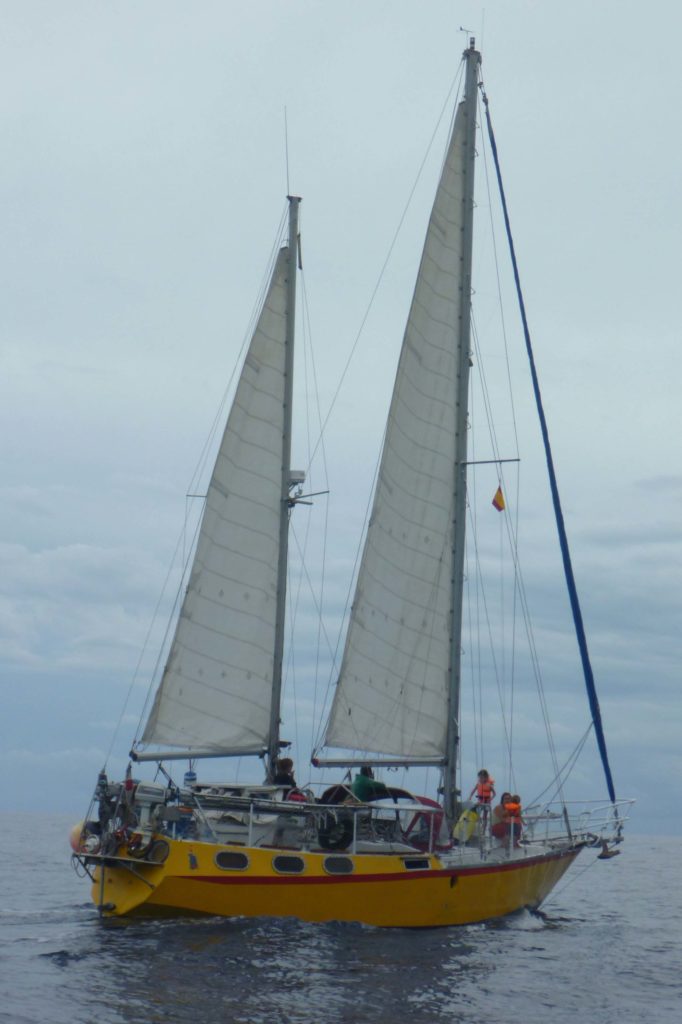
pixel 513 546
pixel 163 646
pixel 455 85
pixel 480 584
pixel 496 673
pixel 474 676
pixel 313 411
pixel 574 876
pixel 293 605
pixel 197 474
pixel 561 529
pixel 505 340
pixel 564 773
pixel 335 653
pixel 286 149
pixel 513 529
pixel 143 652
pixel 454 88
pixel 290 668
pixel 325 472
pixel 474 630
pixel 219 418
pixel 304 572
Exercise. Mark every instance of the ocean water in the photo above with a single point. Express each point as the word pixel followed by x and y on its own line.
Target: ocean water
pixel 607 948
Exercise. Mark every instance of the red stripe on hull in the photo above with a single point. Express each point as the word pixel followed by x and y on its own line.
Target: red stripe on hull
pixel 379 877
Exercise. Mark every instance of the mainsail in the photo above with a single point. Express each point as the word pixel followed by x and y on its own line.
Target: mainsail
pixel 392 693
pixel 216 689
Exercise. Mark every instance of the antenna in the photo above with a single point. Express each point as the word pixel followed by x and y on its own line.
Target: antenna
pixel 286 149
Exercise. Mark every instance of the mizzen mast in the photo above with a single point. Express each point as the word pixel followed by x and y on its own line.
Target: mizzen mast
pixel 285 506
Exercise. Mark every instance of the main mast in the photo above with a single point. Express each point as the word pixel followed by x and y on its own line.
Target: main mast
pixel 275 707
pixel 463 341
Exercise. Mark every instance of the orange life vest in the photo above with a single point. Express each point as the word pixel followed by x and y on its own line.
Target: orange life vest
pixel 484 791
pixel 514 812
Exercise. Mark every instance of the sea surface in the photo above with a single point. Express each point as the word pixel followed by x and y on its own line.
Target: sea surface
pixel 607 948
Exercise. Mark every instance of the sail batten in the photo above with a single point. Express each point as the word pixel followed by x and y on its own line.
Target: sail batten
pixel 216 689
pixel 392 693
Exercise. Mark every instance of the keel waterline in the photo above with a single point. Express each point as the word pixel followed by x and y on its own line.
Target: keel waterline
pixel 386 857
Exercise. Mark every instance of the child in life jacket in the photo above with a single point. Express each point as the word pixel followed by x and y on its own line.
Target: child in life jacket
pixel 484 788
pixel 485 791
pixel 513 817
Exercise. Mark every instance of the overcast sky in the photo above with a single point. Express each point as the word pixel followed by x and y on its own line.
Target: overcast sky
pixel 142 181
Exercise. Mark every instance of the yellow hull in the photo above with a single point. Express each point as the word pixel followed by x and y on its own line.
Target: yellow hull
pixel 387 890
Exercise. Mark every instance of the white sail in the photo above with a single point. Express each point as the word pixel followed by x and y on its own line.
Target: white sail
pixel 391 696
pixel 216 689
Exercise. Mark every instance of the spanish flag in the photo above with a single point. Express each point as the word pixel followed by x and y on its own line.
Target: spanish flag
pixel 498 500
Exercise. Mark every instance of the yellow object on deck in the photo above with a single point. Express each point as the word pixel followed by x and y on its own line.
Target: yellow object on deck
pixel 464 828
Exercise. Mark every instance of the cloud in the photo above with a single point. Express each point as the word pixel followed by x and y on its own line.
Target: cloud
pixel 77 606
pixel 664 483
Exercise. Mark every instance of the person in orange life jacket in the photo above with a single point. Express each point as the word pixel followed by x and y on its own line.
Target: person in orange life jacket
pixel 507 820
pixel 484 789
pixel 513 808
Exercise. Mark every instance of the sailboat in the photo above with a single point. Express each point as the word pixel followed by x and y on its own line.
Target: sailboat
pixel 387 858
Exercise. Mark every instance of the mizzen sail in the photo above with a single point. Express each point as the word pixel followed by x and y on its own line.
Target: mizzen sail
pixel 216 688
pixel 392 693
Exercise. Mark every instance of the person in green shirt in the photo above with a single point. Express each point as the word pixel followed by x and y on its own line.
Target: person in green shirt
pixel 365 787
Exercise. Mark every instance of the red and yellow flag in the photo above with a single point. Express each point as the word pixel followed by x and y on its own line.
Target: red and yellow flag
pixel 498 500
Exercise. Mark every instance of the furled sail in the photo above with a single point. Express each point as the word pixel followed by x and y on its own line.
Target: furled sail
pixel 216 688
pixel 391 696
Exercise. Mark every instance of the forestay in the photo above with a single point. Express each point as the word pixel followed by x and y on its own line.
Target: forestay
pixel 217 685
pixel 392 692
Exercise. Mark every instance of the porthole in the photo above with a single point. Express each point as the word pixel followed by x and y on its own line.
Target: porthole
pixel 417 863
pixel 285 865
pixel 338 865
pixel 228 860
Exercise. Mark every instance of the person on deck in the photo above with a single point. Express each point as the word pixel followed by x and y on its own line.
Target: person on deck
pixel 365 787
pixel 484 789
pixel 284 773
pixel 514 819
pixel 507 822
pixel 500 825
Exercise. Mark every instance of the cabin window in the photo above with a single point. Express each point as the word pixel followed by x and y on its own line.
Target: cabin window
pixel 288 865
pixel 227 860
pixel 417 863
pixel 338 865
